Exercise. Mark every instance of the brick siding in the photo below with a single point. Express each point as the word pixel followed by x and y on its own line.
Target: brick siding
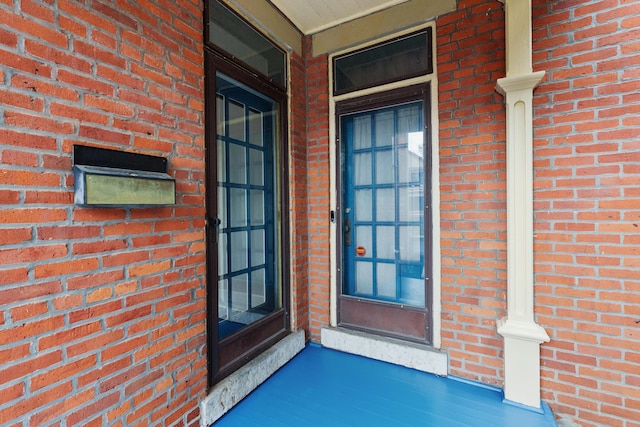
pixel 587 207
pixel 471 57
pixel 102 311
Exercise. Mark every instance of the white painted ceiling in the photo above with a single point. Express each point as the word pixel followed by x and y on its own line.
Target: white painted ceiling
pixel 311 16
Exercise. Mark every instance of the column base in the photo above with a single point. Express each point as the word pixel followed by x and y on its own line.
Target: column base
pixel 522 361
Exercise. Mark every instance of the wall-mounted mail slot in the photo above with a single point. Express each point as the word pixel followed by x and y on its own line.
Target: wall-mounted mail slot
pixel 116 178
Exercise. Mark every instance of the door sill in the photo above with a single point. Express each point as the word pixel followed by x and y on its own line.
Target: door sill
pixel 411 355
pixel 232 389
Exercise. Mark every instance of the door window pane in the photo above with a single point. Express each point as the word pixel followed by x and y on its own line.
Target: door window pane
pixel 257 247
pixel 361 132
pixel 386 280
pixel 237 164
pixel 256 171
pixel 385 170
pixel 386 242
pixel 364 277
pixel 238 209
pixel 255 127
pixel 385 204
pixel 257 207
pixel 236 121
pixel 239 255
pixel 384 129
pixel 362 169
pixel 364 239
pixel 363 205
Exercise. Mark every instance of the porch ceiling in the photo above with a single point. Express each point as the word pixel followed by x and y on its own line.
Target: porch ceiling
pixel 311 16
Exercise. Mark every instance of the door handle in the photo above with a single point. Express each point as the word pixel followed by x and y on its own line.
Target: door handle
pixel 215 222
pixel 347 232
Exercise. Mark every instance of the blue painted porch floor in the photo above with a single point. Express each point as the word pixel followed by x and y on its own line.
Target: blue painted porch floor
pixel 322 387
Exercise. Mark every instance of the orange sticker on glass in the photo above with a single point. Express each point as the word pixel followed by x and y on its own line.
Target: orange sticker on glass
pixel 361 251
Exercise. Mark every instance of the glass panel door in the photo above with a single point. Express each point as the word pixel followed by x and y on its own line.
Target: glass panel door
pixel 383 221
pixel 247 244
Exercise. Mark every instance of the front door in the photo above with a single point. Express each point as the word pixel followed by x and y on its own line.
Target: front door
pixel 385 218
pixel 246 233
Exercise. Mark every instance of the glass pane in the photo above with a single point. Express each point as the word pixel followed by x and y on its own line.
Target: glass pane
pixel 220 113
pixel 385 204
pixel 256 171
pixel 410 243
pixel 238 253
pixel 222 162
pixel 235 36
pixel 412 291
pixel 410 164
pixel 384 167
pixel 237 164
pixel 240 293
pixel 257 247
pixel 222 254
pixel 386 242
pixel 238 211
pixel 258 288
pixel 363 205
pixel 257 207
pixel 236 121
pixel 410 203
pixel 364 238
pixel 361 132
pixel 255 127
pixel 409 119
pixel 362 169
pixel 384 129
pixel 364 277
pixel 390 61
pixel 386 280
pixel 223 298
pixel 222 207
pixel 246 189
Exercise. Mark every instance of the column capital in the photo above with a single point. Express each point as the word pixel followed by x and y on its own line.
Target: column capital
pixel 527 81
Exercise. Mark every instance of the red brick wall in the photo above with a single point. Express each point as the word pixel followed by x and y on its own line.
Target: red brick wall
pixel 299 255
pixel 470 55
pixel 587 207
pixel 102 311
pixel 317 77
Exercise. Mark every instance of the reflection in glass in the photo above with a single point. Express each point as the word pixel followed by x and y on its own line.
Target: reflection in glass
pixel 384 129
pixel 237 164
pixel 256 173
pixel 258 295
pixel 255 127
pixel 257 247
pixel 236 121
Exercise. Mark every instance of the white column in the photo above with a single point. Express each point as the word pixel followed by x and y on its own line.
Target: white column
pixel 522 335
